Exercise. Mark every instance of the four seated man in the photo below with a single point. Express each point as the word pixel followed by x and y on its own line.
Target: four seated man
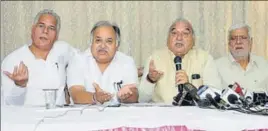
pixel 102 74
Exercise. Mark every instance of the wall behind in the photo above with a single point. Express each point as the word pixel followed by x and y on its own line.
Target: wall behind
pixel 144 25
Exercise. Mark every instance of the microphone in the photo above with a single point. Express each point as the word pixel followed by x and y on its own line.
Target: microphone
pixel 260 98
pixel 237 89
pixel 178 99
pixel 177 61
pixel 233 99
pixel 228 96
pixel 214 98
pixel 191 89
pixel 212 101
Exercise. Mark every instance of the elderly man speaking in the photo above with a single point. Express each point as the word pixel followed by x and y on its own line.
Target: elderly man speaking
pixel 38 65
pixel 103 74
pixel 160 79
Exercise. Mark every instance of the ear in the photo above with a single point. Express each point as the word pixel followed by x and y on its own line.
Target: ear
pixel 116 48
pixel 250 44
pixel 33 28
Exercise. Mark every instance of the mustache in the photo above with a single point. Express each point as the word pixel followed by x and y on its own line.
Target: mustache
pixel 102 49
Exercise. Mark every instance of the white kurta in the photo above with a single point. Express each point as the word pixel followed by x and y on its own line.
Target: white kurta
pixel 49 74
pixel 254 78
pixel 83 70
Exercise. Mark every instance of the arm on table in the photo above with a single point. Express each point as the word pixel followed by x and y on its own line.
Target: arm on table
pixel 80 95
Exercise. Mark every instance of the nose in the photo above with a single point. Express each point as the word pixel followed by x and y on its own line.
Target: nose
pixel 45 30
pixel 179 36
pixel 102 45
pixel 238 40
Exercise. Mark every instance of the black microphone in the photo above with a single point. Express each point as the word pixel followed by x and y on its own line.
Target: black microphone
pixel 233 99
pixel 213 101
pixel 177 61
pixel 192 90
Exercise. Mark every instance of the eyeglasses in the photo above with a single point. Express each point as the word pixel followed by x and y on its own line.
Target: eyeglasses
pixel 242 38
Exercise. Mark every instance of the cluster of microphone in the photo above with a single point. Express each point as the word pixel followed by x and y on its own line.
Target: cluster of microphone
pixel 234 97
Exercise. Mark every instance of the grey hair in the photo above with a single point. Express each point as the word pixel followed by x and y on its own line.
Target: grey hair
pixel 239 26
pixel 184 21
pixel 50 12
pixel 106 23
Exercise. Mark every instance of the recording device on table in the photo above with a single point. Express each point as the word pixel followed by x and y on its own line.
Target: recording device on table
pixel 243 101
pixel 115 102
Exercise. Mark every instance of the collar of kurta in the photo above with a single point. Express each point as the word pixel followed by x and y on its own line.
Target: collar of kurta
pixel 50 56
pixel 252 59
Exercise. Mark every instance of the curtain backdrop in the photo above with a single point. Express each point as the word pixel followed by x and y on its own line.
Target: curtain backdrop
pixel 144 24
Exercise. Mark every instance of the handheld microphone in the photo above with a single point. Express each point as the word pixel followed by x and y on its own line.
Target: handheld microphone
pixel 178 99
pixel 177 61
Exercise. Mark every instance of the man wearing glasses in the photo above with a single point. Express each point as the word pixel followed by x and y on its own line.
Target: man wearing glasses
pixel 240 65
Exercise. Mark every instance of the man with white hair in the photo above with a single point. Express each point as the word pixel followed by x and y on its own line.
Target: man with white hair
pixel 102 74
pixel 240 65
pixel 160 80
pixel 38 65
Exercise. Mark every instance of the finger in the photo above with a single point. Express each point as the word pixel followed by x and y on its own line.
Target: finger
pixel 26 72
pixel 20 68
pixel 23 70
pixel 97 87
pixel 9 75
pixel 129 86
pixel 24 67
pixel 182 72
pixel 152 66
pixel 15 71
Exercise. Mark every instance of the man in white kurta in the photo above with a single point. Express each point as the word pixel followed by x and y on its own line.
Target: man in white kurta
pixel 84 71
pixel 93 76
pixel 240 65
pixel 160 80
pixel 36 66
pixel 43 74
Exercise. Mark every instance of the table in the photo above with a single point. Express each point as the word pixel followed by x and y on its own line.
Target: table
pixel 85 118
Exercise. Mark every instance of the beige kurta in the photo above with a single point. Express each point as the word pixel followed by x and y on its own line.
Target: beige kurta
pixel 196 61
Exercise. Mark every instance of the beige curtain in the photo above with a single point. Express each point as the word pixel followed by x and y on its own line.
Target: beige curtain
pixel 144 25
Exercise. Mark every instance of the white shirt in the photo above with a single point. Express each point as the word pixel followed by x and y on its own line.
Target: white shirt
pixel 254 78
pixel 49 74
pixel 83 70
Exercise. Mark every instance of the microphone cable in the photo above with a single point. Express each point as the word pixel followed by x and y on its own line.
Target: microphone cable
pixel 100 108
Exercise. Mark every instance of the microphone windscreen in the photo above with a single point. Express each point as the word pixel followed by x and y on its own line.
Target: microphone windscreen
pixel 177 59
pixel 226 93
pixel 232 99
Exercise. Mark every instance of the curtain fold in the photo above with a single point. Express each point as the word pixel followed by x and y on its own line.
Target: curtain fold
pixel 144 24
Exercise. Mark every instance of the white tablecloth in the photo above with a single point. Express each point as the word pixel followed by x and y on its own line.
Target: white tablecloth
pixel 26 118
